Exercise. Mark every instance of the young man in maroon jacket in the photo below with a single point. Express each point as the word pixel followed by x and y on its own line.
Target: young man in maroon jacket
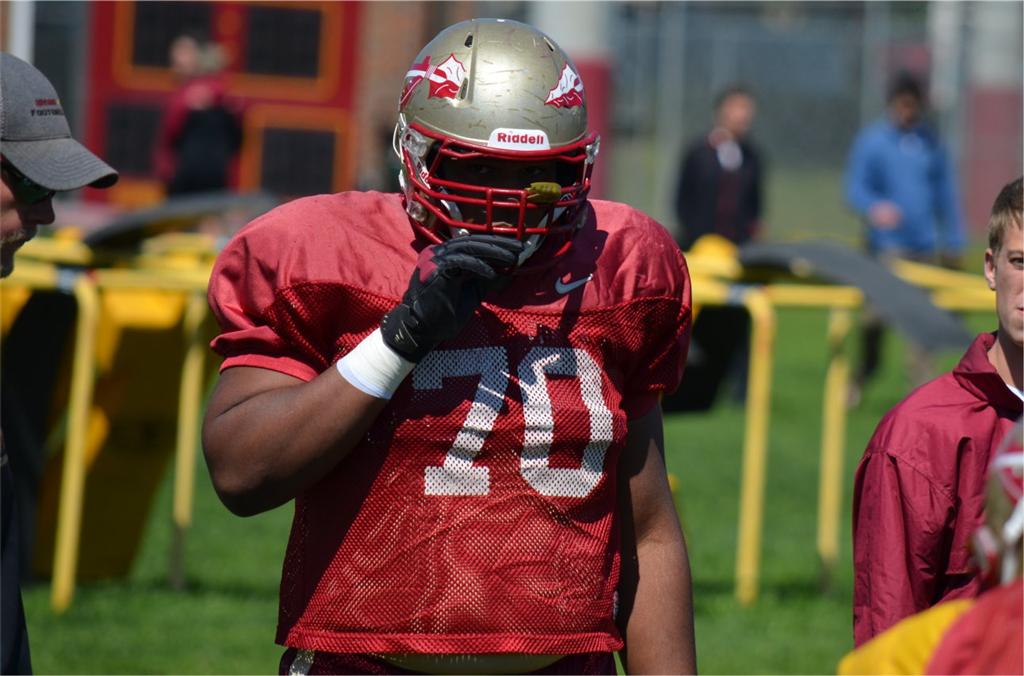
pixel 919 490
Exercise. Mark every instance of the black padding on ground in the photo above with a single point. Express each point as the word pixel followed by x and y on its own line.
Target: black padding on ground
pixel 903 306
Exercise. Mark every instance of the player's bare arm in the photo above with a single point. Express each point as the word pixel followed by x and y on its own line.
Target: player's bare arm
pixel 657 605
pixel 267 435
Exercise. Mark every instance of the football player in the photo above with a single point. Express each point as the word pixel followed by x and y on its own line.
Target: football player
pixel 465 411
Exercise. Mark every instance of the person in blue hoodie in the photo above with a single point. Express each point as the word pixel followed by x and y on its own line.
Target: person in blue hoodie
pixel 901 182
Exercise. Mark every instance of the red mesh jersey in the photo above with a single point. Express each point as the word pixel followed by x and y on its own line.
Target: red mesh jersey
pixel 478 514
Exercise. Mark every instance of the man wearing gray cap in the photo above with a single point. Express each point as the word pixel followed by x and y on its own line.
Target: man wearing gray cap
pixel 38 158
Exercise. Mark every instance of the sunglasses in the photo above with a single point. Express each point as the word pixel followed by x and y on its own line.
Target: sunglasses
pixel 25 189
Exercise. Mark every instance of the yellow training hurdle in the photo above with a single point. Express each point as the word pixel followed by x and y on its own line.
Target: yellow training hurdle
pixel 712 277
pixel 44 276
pixel 89 287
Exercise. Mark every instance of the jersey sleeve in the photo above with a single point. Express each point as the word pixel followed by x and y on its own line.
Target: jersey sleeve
pixel 663 320
pixel 243 288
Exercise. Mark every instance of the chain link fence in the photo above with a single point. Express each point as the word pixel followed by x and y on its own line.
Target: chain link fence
pixel 818 71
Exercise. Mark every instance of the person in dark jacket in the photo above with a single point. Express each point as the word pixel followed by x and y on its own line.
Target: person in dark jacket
pixel 720 192
pixel 39 159
pixel 721 179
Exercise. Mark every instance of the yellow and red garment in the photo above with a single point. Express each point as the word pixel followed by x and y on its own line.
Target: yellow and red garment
pixel 963 636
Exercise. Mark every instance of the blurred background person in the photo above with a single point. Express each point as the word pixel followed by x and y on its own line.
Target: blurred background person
pixel 200 132
pixel 39 158
pixel 901 182
pixel 721 180
pixel 720 189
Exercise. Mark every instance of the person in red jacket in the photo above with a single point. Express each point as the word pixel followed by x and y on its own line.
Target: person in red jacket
pixel 200 132
pixel 919 489
pixel 968 636
pixel 989 637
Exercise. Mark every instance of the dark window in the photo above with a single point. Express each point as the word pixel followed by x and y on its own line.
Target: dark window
pixel 298 162
pixel 283 41
pixel 158 23
pixel 59 50
pixel 131 133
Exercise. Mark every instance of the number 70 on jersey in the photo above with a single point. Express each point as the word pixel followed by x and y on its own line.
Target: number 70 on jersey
pixel 458 475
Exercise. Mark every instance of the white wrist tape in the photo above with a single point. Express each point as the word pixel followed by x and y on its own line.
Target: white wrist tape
pixel 374 368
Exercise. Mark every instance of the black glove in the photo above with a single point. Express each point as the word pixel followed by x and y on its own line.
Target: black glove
pixel 448 284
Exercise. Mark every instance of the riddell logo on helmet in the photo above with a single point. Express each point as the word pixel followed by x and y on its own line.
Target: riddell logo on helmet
pixel 518 139
pixel 528 139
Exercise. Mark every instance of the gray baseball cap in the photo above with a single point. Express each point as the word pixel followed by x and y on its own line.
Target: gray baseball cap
pixel 34 134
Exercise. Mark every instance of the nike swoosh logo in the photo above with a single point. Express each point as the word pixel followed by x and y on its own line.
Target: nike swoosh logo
pixel 564 288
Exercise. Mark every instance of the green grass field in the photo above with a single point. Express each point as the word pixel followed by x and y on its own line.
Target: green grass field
pixel 224 622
